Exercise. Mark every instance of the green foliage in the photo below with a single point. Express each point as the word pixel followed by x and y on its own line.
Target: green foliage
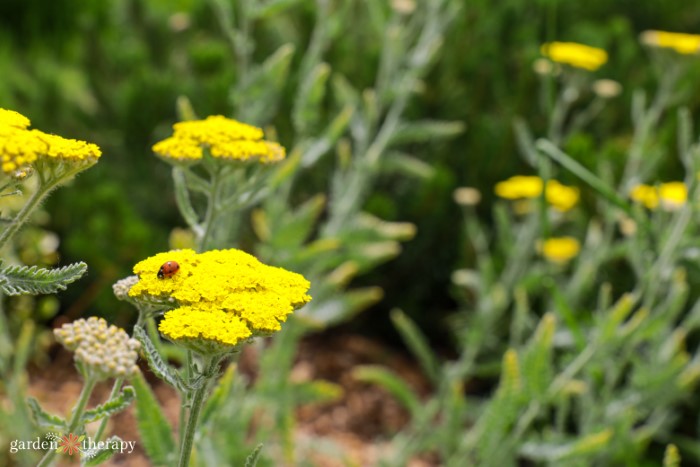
pixel 103 455
pixel 19 280
pixel 44 419
pixel 154 428
pixel 113 406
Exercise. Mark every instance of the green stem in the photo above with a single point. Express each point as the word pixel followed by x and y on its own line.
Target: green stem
pixel 75 419
pixel 24 213
pixel 212 211
pixel 103 425
pixel 196 406
pixel 45 187
pixel 188 378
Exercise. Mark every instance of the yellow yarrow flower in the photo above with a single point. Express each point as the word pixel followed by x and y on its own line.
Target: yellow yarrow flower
pixel 13 119
pixel 686 44
pixel 561 197
pixel 222 297
pixel 574 54
pixel 224 138
pixel 21 147
pixel 560 249
pixel 671 196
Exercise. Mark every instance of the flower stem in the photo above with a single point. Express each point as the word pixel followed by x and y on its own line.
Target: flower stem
pixel 44 188
pixel 75 419
pixel 212 212
pixel 196 406
pixel 115 389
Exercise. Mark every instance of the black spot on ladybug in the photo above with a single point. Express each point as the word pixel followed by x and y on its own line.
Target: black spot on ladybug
pixel 168 269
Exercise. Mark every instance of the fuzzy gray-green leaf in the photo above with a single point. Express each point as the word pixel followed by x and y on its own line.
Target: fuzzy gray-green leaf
pixel 252 459
pixel 154 428
pixel 25 280
pixel 99 456
pixel 111 407
pixel 156 363
pixel 44 419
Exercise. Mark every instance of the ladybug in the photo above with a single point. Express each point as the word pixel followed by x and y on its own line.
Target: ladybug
pixel 168 269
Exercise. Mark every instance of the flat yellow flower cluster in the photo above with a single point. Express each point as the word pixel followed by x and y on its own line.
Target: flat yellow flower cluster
pixel 106 349
pixel 560 249
pixel 225 138
pixel 686 44
pixel 561 197
pixel 20 147
pixel 223 297
pixel 670 196
pixel 574 54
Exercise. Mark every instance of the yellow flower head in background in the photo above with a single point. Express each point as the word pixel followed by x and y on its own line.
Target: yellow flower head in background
pixel 225 139
pixel 21 147
pixel 686 44
pixel 560 249
pixel 221 297
pixel 671 196
pixel 561 197
pixel 574 54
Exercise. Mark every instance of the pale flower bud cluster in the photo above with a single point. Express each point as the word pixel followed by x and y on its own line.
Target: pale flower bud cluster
pixel 121 287
pixel 105 349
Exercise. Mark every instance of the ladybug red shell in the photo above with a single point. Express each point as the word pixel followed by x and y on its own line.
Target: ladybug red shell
pixel 168 269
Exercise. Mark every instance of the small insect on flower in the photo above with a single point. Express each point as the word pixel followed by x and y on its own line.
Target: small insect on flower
pixel 168 269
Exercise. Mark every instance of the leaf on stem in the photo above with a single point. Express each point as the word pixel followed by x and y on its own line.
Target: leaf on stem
pixel 24 280
pixel 156 363
pixel 156 433
pixel 113 406
pixel 44 419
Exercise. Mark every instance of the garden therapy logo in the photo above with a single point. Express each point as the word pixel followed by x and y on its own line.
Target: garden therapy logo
pixel 71 444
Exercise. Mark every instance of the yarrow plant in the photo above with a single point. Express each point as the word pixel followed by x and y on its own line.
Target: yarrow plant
pixel 209 302
pixel 212 303
pixel 224 161
pixel 102 351
pixel 34 163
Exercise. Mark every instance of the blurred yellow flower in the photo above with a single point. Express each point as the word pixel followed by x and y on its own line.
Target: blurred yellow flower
pixel 671 196
pixel 221 297
pixel 20 147
pixel 682 43
pixel 225 139
pixel 574 54
pixel 560 196
pixel 560 249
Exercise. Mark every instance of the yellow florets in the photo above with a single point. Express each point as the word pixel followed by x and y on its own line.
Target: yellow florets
pixel 574 54
pixel 671 196
pixel 20 147
pixel 224 296
pixel 561 197
pixel 225 138
pixel 13 119
pixel 560 249
pixel 685 44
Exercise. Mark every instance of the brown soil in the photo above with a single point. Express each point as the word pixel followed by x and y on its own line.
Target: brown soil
pixel 361 422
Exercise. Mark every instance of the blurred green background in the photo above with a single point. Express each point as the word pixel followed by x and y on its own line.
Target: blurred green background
pixel 110 72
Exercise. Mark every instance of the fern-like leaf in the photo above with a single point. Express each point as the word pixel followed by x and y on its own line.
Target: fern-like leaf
pixel 95 457
pixel 45 419
pixel 252 459
pixel 156 434
pixel 156 363
pixel 24 280
pixel 111 407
